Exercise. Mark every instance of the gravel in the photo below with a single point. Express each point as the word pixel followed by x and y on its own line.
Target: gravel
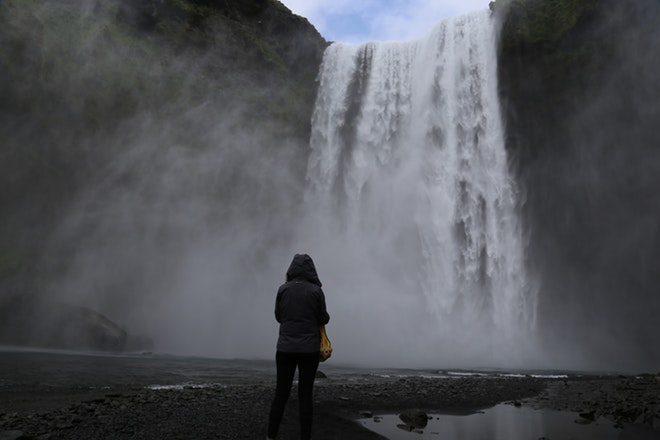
pixel 240 411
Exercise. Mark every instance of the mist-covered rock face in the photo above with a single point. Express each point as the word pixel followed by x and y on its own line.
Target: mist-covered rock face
pixel 152 154
pixel 581 99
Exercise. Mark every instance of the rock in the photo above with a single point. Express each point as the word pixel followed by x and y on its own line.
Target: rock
pixel 320 375
pixel 415 418
pixel 365 413
pixel 627 414
pixel 32 321
pixel 588 415
pixel 64 425
pixel 12 435
pixel 404 427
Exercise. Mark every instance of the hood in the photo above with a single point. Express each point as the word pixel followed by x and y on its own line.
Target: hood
pixel 302 268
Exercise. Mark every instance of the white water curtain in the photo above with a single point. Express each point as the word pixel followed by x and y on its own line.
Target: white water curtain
pixel 410 199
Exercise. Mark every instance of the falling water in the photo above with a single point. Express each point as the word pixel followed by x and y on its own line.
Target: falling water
pixel 409 181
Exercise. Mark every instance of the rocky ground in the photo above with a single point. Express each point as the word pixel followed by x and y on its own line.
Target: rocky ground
pixel 240 411
pixel 622 400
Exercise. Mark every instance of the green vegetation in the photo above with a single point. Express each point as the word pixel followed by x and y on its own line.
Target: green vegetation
pixel 560 61
pixel 531 22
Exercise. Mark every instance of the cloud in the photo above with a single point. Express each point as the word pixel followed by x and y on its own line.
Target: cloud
pixel 370 20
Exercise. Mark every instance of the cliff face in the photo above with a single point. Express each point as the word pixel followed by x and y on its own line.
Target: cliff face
pixel 80 81
pixel 581 101
pixel 132 128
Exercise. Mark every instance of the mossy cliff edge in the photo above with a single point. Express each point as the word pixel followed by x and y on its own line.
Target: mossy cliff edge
pixel 581 102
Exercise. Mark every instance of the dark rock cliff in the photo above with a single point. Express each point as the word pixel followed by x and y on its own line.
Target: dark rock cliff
pixel 94 93
pixel 581 100
pixel 75 74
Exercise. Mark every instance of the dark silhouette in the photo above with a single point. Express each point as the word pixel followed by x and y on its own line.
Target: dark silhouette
pixel 300 310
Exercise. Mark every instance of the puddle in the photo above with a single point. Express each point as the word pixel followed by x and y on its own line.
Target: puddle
pixel 506 422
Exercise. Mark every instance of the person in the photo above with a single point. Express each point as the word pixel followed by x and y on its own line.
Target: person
pixel 300 309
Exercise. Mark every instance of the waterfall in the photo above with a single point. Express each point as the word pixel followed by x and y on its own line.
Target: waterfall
pixel 410 198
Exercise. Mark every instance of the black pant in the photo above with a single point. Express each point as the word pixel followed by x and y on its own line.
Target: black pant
pixel 307 364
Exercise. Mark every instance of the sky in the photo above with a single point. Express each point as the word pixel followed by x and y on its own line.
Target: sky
pixel 354 21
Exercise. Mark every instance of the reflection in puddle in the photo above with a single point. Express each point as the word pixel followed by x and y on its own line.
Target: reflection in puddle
pixel 502 422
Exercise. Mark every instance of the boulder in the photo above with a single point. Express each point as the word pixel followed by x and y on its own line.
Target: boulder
pixel 26 320
pixel 414 418
pixel 12 435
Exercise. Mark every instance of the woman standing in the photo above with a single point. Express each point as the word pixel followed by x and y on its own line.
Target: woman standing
pixel 300 310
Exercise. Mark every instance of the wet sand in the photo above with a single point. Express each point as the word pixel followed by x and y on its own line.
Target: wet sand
pixel 239 411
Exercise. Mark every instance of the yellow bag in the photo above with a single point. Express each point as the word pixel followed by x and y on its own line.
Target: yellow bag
pixel 326 346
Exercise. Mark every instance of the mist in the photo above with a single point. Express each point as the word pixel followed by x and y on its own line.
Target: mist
pixel 178 170
pixel 178 226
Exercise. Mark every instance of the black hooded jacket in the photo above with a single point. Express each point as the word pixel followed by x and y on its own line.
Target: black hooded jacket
pixel 300 308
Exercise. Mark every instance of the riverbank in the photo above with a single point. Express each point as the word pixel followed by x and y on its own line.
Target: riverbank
pixel 239 411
